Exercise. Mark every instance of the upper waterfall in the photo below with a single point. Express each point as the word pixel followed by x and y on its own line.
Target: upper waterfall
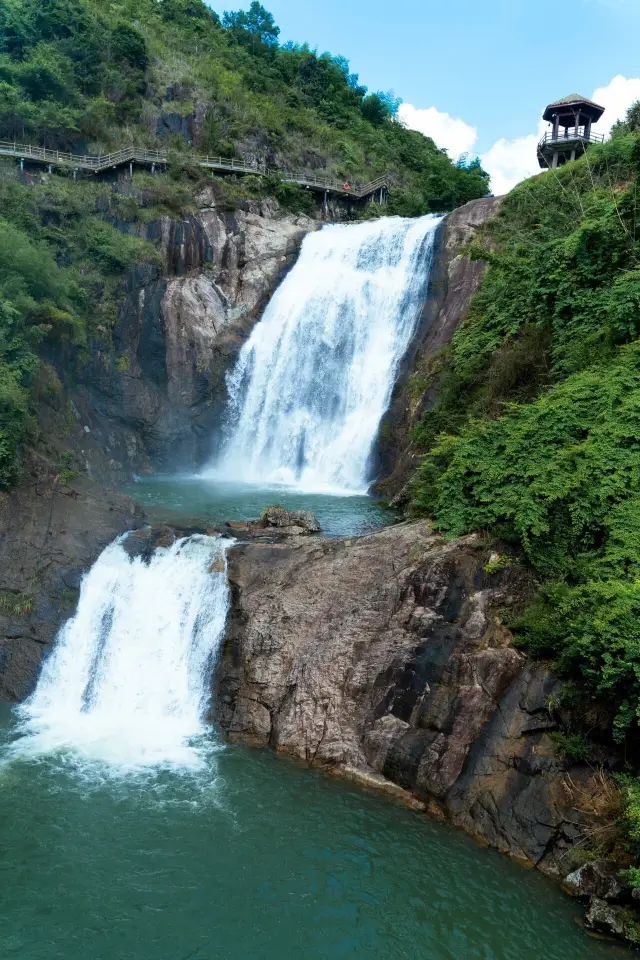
pixel 129 679
pixel 315 378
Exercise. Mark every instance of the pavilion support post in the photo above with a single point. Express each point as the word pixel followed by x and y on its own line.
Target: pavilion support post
pixel 554 162
pixel 556 126
pixel 131 170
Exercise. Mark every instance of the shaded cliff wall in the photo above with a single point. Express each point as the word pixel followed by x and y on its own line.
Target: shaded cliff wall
pixel 50 534
pixel 148 395
pixel 454 280
pixel 387 654
pixel 151 393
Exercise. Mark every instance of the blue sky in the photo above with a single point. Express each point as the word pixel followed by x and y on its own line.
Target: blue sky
pixel 494 64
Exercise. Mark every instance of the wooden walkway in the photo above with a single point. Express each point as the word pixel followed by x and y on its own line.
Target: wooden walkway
pixel 136 156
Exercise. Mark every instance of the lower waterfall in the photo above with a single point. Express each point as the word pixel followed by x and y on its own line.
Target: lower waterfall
pixel 314 380
pixel 129 679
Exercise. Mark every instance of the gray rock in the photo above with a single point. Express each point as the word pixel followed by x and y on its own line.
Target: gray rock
pixel 454 281
pixel 276 522
pixel 605 918
pixel 381 653
pixel 280 518
pixel 595 879
pixel 154 396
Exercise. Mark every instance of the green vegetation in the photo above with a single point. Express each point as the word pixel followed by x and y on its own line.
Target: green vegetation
pixel 16 604
pixel 61 269
pixel 575 747
pixel 96 74
pixel 536 434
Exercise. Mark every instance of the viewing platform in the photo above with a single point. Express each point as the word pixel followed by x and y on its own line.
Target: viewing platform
pixel 571 135
pixel 376 190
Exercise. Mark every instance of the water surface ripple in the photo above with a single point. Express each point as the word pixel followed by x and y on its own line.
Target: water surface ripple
pixel 255 858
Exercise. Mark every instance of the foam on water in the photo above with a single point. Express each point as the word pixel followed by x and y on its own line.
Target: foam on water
pixel 128 682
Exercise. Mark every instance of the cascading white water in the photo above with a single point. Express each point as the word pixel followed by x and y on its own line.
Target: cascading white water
pixel 128 681
pixel 314 380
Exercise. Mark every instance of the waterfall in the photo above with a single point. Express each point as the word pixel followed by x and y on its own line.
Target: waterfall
pixel 128 681
pixel 314 380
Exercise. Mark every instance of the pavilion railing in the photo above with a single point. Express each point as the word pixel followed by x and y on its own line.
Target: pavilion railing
pixel 569 134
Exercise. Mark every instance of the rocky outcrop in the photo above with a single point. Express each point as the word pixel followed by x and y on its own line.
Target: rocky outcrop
pixel 276 521
pixel 455 278
pixel 153 395
pixel 51 531
pixel 596 878
pixel 620 922
pixel 387 655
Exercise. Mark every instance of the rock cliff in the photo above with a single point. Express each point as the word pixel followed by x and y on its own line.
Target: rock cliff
pixel 153 395
pixel 50 534
pixel 386 655
pixel 455 278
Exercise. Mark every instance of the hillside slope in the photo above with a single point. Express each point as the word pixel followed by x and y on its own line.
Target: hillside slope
pixel 94 75
pixel 535 438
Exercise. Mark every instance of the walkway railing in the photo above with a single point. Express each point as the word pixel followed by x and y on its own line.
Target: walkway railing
pixel 152 158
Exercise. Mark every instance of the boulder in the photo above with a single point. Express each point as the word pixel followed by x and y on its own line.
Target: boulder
pixel 276 521
pixel 278 517
pixel 595 879
pixel 387 654
pixel 613 921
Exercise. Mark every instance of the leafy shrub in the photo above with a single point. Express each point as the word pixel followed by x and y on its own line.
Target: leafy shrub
pixel 574 746
pixel 535 436
pixel 60 264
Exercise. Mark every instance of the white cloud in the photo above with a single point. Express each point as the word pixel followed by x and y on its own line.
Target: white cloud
pixel 510 161
pixel 616 98
pixel 456 136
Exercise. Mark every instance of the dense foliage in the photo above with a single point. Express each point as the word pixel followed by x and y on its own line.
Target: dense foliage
pixel 536 435
pixel 78 74
pixel 61 267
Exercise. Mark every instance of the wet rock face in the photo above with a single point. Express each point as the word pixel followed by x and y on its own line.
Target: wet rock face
pixel 454 281
pixel 50 534
pixel 612 921
pixel 155 396
pixel 387 654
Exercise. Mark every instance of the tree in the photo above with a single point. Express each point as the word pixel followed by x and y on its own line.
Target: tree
pixel 630 124
pixel 129 45
pixel 375 109
pixel 254 27
pixel 183 10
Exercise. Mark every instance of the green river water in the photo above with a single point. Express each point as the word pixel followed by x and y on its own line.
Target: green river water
pixel 202 501
pixel 255 857
pixel 251 857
